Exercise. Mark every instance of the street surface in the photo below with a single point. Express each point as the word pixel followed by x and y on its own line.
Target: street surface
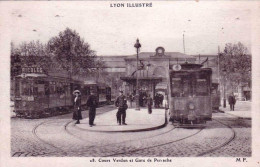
pixel 226 135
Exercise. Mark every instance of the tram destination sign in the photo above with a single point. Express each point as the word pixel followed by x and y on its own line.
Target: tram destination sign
pixel 37 70
pixel 176 67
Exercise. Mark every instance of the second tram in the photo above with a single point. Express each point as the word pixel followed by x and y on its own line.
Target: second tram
pixel 41 95
pixel 190 94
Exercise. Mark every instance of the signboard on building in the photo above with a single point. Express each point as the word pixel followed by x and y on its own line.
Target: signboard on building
pixel 27 70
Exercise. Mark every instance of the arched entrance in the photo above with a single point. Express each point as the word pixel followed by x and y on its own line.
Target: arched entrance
pixel 160 92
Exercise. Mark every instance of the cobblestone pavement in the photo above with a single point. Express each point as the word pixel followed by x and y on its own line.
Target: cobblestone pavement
pixel 58 136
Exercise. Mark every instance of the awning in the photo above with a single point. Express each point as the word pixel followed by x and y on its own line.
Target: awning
pixel 161 86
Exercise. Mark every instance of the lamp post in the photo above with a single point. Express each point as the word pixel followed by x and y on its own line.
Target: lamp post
pixel 148 65
pixel 224 99
pixel 137 46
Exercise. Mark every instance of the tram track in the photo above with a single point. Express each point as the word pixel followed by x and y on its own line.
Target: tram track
pixel 64 153
pixel 150 137
pixel 34 132
pixel 72 134
pixel 233 136
pixel 154 146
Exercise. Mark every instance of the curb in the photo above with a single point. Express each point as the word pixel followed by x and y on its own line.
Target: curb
pixel 247 118
pixel 218 111
pixel 126 131
pixel 131 130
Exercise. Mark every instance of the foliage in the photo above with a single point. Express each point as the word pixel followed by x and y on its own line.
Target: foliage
pixel 32 53
pixel 235 64
pixel 72 53
pixel 65 52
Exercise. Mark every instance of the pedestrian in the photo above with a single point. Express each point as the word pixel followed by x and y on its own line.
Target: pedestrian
pixel 155 97
pixel 77 107
pixel 121 104
pixel 131 100
pixel 92 103
pixel 149 104
pixel 232 101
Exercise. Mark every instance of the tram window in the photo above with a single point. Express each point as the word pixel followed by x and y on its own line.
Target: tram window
pixel 26 89
pixel 52 89
pixel 186 87
pixel 86 90
pixel 17 88
pixel 176 87
pixel 102 91
pixel 202 87
pixel 60 89
pixel 41 89
pixel 35 91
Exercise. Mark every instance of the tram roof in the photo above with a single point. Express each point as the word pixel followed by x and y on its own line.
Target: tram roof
pixel 129 79
pixel 34 75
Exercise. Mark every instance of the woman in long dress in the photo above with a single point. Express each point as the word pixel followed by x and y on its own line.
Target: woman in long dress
pixel 77 107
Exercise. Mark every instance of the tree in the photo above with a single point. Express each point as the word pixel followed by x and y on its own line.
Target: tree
pixel 72 53
pixel 33 48
pixel 32 53
pixel 235 65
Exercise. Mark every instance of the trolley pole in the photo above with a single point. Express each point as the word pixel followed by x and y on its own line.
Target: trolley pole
pixel 137 46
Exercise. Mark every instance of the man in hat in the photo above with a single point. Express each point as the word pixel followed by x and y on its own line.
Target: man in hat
pixel 232 101
pixel 121 104
pixel 92 103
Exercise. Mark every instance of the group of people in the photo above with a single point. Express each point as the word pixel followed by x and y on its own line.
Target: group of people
pixel 92 103
pixel 158 100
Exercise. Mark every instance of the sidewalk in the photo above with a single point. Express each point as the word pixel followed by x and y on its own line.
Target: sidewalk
pixel 242 109
pixel 136 121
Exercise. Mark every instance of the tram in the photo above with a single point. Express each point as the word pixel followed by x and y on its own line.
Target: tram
pixel 41 95
pixel 190 94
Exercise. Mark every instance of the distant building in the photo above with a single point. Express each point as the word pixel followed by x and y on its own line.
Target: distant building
pixel 160 61
pixel 153 69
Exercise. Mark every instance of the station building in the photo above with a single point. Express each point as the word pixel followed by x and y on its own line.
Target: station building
pixel 154 71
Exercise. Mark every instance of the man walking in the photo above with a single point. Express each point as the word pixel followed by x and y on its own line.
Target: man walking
pixel 232 101
pixel 92 103
pixel 121 104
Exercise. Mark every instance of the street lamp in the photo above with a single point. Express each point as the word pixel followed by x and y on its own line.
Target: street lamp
pixel 148 65
pixel 137 46
pixel 224 100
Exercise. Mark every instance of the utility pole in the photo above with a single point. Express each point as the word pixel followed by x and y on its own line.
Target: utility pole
pixel 183 43
pixel 218 65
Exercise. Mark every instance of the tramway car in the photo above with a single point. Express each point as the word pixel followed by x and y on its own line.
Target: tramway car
pixel 41 95
pixel 190 94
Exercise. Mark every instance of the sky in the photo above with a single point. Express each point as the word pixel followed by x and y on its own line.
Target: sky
pixel 113 31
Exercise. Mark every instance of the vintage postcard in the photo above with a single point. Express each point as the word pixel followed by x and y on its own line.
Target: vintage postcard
pixel 138 83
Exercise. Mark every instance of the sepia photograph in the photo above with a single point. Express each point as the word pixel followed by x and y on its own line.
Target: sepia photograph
pixel 119 82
